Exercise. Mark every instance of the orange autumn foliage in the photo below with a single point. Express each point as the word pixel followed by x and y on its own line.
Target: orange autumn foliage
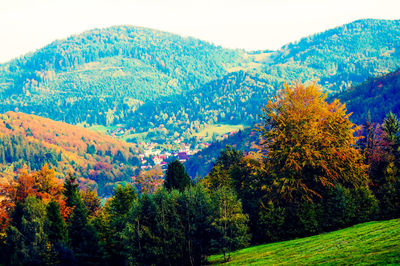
pixel 149 181
pixel 309 143
pixel 42 184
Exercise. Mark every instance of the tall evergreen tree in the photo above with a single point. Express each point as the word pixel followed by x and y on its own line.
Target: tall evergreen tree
pixel 55 226
pixel 176 177
pixel 27 241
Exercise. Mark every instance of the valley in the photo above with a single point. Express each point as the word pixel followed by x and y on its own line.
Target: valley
pixel 128 145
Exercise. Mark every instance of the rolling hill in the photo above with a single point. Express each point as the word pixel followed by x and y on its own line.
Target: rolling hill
pixel 372 243
pixel 341 57
pixel 98 160
pixel 99 75
pixel 374 98
pixel 103 76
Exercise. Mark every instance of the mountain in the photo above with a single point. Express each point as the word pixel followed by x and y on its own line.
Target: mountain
pixel 373 99
pixel 201 163
pixel 100 75
pixel 234 99
pixel 98 160
pixel 341 57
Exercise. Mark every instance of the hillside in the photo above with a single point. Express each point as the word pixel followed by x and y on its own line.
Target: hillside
pixel 337 58
pixel 98 160
pixel 200 164
pixel 343 56
pixel 368 243
pixel 375 98
pixel 234 99
pixel 103 74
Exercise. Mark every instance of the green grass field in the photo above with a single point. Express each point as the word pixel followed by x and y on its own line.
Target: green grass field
pixel 218 129
pixel 376 243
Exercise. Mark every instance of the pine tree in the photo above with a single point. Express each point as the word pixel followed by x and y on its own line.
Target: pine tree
pixel 55 226
pixel 176 177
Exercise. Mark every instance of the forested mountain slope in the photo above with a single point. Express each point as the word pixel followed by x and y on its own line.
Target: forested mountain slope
pixel 235 99
pixel 342 56
pixel 336 59
pixel 373 99
pixel 99 75
pixel 98 160
pixel 103 75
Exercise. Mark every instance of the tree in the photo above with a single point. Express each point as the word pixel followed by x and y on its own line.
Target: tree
pixel 26 238
pixel 229 156
pixel 83 238
pixel 176 177
pixel 55 226
pixel 116 215
pixel 196 211
pixel 309 144
pixel 220 174
pixel 230 223
pixel 91 201
pixel 391 125
pixel 384 160
pixel 149 181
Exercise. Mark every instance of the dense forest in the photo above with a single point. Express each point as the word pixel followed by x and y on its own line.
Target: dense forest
pixel 368 102
pixel 374 98
pixel 103 76
pixel 30 142
pixel 312 171
pixel 234 99
pixel 341 57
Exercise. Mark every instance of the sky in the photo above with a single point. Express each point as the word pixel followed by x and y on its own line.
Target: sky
pixel 27 25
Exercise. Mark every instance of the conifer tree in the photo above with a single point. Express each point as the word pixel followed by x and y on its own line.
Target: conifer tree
pixel 176 177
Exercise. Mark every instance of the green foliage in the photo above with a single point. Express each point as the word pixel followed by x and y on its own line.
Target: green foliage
pixel 373 99
pixel 55 225
pixel 230 223
pixel 110 69
pixel 196 212
pixel 116 217
pixel 228 157
pixel 26 238
pixel 176 176
pixel 83 237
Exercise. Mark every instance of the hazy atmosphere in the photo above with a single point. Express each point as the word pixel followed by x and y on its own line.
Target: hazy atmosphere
pixel 26 25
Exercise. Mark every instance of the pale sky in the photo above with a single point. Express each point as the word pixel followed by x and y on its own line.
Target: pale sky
pixel 27 25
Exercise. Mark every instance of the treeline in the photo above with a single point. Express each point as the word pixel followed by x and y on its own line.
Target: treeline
pixel 116 64
pixel 313 171
pixel 99 161
pixel 45 222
